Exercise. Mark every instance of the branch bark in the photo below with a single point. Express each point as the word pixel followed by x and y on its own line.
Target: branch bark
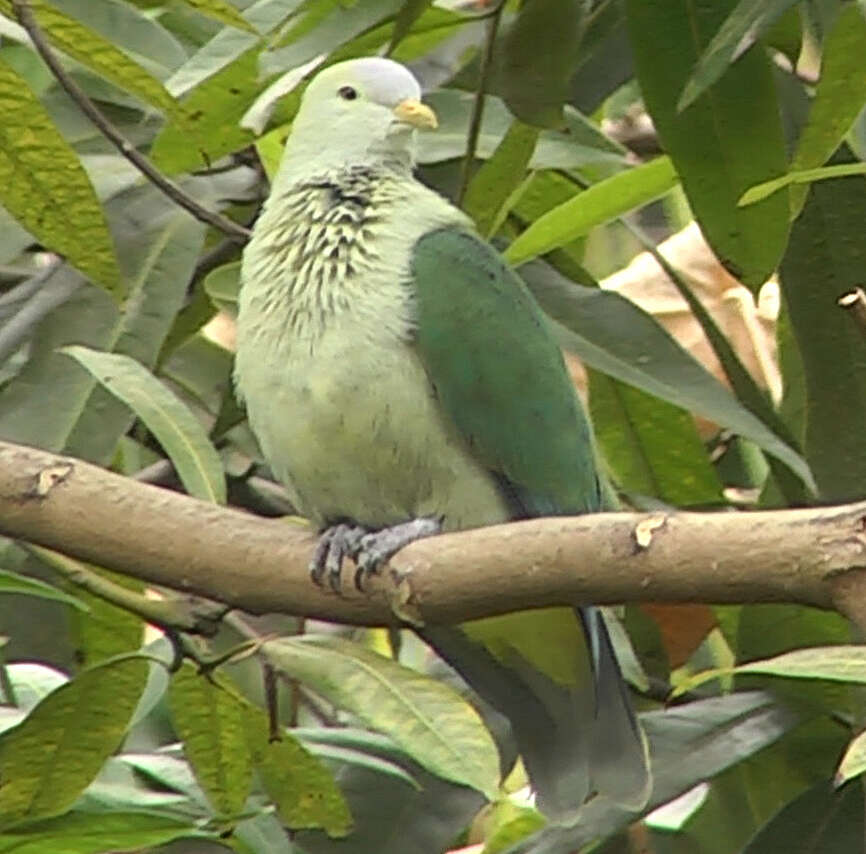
pixel 813 556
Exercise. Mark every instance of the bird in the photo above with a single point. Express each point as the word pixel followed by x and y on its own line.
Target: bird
pixel 401 381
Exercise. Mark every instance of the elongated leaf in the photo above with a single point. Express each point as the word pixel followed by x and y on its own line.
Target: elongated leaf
pixel 409 13
pixel 180 434
pixel 210 722
pixel 805 176
pixel 223 11
pixel 723 143
pixel 210 126
pixel 321 28
pixel 89 833
pixel 839 96
pixel 129 29
pixel 55 404
pixel 12 582
pixel 613 335
pixel 48 759
pixel 489 192
pixel 535 82
pixel 97 54
pixel 652 447
pixel 434 725
pixel 601 203
pixel 555 150
pixel 741 29
pixel 838 663
pixel 300 786
pixel 853 763
pixel 43 184
pixel 824 260
pixel 689 744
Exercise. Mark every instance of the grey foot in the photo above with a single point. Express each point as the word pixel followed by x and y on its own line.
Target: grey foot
pixel 378 547
pixel 369 549
pixel 335 544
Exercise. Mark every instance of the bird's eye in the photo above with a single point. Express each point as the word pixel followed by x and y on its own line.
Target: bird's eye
pixel 347 93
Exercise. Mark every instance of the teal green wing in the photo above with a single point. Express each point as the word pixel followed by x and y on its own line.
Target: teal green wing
pixel 499 375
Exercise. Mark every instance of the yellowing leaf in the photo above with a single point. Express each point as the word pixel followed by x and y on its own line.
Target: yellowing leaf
pixel 44 186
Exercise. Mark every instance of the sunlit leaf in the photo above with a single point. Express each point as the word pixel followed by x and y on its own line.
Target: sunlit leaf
pixel 438 729
pixel 178 431
pixel 48 759
pixel 597 205
pixel 43 184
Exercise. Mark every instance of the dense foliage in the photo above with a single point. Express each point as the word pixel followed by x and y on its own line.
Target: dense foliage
pixel 106 284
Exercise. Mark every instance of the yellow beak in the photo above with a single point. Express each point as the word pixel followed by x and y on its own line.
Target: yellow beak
pixel 416 114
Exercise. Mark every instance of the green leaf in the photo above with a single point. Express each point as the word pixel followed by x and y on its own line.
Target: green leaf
pixel 12 582
pixel 576 149
pixel 409 13
pixel 820 821
pixel 209 719
pixel 741 29
pixel 43 184
pixel 357 747
pixel 853 762
pixel 652 446
pixel 97 54
pixel 89 833
pixel 55 404
pixel 491 192
pixel 724 142
pixel 300 786
pixel 222 286
pixel 510 823
pixel 175 427
pixel 826 258
pixel 222 11
pixel 612 335
pixel 597 205
pixel 106 630
pixel 838 663
pixel 750 394
pixel 432 723
pixel 839 96
pixel 805 176
pixel 50 757
pixel 210 124
pixel 323 26
pixel 535 83
pixel 129 29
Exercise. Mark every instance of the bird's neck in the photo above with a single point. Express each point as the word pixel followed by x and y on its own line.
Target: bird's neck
pixel 346 155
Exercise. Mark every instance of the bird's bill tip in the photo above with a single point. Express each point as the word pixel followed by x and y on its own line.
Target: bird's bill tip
pixel 415 113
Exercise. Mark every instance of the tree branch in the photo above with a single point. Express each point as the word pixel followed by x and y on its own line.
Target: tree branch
pixel 810 556
pixel 27 20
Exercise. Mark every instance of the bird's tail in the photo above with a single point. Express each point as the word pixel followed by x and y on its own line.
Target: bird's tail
pixel 554 675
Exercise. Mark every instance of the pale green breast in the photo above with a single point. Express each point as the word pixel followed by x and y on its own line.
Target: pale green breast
pixel 335 393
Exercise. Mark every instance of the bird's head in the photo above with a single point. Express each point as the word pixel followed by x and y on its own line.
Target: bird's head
pixel 359 112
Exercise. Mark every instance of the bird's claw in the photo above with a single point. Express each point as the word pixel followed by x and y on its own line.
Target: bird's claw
pixel 369 549
pixel 336 543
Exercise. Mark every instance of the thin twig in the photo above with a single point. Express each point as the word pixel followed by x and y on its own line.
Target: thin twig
pixel 30 286
pixel 49 293
pixel 478 105
pixel 27 20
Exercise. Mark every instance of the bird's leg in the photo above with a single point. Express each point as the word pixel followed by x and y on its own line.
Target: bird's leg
pixel 377 547
pixel 369 549
pixel 336 543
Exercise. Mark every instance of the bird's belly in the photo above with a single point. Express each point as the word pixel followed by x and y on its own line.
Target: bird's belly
pixel 355 433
